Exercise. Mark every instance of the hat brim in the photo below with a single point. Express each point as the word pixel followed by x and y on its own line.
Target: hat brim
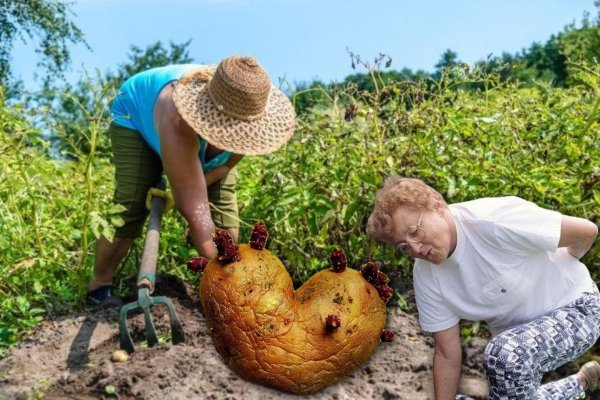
pixel 260 136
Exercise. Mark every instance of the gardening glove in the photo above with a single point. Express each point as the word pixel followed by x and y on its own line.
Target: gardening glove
pixel 167 196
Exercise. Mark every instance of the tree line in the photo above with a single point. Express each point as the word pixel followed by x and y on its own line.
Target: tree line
pixel 541 62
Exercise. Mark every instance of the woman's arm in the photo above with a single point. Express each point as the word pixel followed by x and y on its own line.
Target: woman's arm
pixel 179 150
pixel 219 173
pixel 447 360
pixel 577 235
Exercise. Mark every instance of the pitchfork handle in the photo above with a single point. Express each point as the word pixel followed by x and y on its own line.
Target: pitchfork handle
pixel 147 274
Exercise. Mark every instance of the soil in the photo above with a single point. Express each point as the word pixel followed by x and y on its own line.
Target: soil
pixel 69 357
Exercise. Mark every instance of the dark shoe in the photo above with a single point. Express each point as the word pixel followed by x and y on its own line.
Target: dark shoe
pixel 102 297
pixel 591 375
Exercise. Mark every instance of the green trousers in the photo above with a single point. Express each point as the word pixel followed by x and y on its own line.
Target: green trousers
pixel 138 168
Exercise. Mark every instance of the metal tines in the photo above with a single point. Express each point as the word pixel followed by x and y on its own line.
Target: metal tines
pixel 145 284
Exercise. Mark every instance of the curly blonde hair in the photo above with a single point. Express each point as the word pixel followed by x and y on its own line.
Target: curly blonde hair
pixel 396 192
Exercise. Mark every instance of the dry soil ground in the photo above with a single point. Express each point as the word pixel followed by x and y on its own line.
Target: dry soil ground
pixel 70 358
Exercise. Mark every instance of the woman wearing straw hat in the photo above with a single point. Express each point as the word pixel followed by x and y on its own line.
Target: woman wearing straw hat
pixel 195 123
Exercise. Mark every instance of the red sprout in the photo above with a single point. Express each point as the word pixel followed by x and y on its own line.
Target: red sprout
pixel 258 237
pixel 197 264
pixel 338 260
pixel 385 292
pixel 381 279
pixel 387 336
pixel 369 271
pixel 227 250
pixel 332 322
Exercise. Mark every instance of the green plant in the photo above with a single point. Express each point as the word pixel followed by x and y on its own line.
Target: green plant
pixel 470 134
pixel 41 230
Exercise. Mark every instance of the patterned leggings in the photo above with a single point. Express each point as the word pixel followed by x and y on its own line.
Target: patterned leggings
pixel 516 360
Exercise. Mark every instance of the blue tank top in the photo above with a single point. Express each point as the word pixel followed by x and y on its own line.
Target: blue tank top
pixel 133 108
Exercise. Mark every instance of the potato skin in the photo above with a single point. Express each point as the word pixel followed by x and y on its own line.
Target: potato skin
pixel 270 335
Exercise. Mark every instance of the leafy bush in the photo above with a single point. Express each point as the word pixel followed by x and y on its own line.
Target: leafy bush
pixel 43 206
pixel 541 144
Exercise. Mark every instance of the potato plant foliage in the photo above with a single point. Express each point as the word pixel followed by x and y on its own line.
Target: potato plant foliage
pixel 469 134
pixel 541 143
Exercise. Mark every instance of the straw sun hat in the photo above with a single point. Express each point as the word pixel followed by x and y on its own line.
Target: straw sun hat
pixel 235 107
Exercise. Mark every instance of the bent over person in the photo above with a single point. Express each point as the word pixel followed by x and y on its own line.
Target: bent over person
pixel 195 122
pixel 505 261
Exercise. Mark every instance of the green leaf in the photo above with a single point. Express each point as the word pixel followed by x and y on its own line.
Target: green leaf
pixel 117 221
pixel 116 209
pixel 351 209
pixel 487 120
pixel 37 287
pixel 110 389
pixel 390 162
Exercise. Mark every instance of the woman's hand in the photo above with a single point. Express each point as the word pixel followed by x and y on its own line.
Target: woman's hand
pixel 577 235
pixel 447 360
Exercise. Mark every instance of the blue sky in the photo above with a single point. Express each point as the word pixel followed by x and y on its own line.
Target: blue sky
pixel 304 40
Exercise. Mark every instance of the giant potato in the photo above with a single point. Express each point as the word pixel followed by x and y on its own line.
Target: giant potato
pixel 298 342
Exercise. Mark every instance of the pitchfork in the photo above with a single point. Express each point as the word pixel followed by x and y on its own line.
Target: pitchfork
pixel 145 284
